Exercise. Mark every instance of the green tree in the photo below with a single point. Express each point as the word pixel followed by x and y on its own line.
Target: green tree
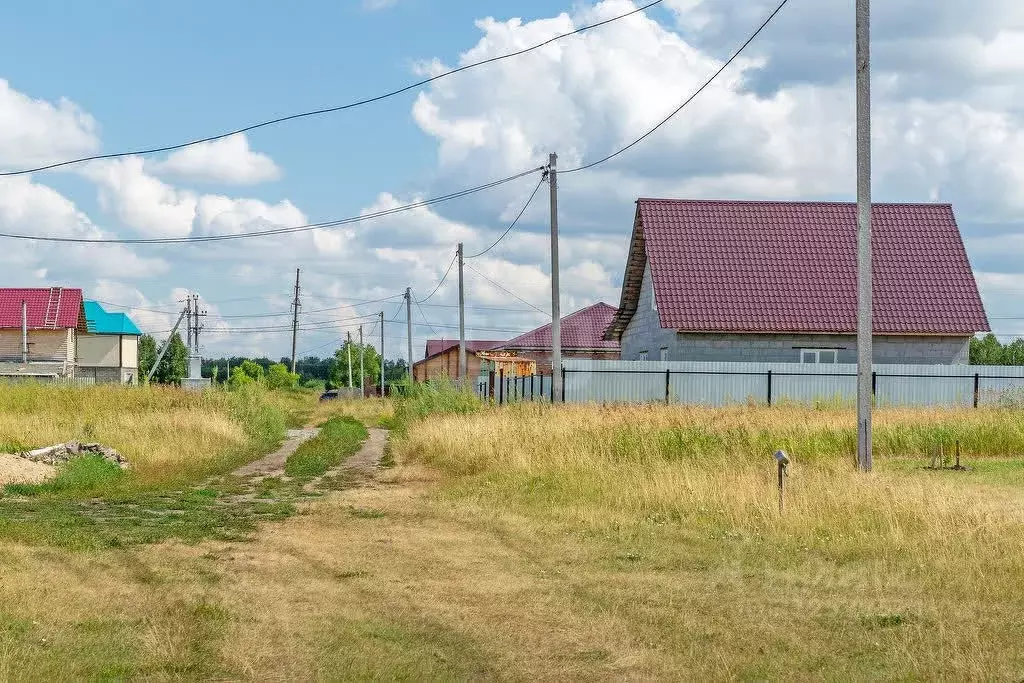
pixel 147 355
pixel 395 370
pixel 986 351
pixel 246 372
pixel 173 366
pixel 371 365
pixel 278 377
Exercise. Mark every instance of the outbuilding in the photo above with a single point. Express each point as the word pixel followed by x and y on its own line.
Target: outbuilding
pixel 108 353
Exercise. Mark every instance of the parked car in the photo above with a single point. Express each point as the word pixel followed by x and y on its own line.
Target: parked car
pixel 329 395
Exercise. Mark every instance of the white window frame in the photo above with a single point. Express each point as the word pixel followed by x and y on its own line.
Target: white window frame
pixel 814 356
pixel 663 354
pixel 642 355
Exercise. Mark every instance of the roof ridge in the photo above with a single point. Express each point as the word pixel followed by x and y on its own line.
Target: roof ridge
pixel 784 202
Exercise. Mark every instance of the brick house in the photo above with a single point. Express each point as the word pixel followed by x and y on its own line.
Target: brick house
pixel 582 337
pixel 39 330
pixel 777 282
pixel 441 359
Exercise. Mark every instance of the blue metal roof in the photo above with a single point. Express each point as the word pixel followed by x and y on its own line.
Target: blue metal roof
pixel 99 321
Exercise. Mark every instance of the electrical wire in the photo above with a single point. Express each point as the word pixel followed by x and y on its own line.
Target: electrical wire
pixel 424 316
pixel 529 201
pixel 512 294
pixel 689 99
pixel 330 110
pixel 442 280
pixel 276 231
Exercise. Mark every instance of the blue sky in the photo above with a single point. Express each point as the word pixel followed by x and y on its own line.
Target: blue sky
pixel 777 126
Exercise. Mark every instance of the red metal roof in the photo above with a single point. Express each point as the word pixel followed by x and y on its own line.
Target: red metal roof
pixel 56 308
pixel 439 346
pixel 581 330
pixel 792 267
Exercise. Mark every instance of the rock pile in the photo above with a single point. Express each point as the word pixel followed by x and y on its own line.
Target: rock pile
pixel 62 452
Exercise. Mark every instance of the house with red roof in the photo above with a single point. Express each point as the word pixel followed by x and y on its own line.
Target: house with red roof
pixel 777 282
pixel 39 332
pixel 441 359
pixel 582 337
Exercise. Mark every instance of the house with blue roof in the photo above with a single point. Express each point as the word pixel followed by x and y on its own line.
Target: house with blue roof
pixel 108 351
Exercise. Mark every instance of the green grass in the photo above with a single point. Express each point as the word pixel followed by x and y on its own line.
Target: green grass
pixel 79 476
pixel 339 438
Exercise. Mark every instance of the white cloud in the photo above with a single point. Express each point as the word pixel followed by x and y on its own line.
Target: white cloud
pixel 140 200
pixel 35 132
pixel 221 215
pixel 229 161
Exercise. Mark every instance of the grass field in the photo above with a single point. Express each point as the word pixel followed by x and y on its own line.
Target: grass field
pixel 570 543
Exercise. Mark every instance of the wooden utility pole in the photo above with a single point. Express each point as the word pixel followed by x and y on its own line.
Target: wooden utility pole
pixel 295 319
pixel 556 321
pixel 462 321
pixel 864 300
pixel 408 322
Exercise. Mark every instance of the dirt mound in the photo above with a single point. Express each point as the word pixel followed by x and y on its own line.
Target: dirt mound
pixel 17 470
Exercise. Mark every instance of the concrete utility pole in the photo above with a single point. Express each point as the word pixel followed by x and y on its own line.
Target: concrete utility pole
pixel 188 320
pixel 382 354
pixel 24 332
pixel 864 266
pixel 462 320
pixel 556 321
pixel 408 323
pixel 196 314
pixel 348 349
pixel 362 363
pixel 295 318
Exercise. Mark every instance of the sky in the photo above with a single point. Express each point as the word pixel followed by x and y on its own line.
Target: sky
pixel 79 79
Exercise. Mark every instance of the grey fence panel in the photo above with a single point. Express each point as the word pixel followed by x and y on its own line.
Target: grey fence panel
pixel 614 387
pixel 716 389
pixel 924 390
pixel 788 386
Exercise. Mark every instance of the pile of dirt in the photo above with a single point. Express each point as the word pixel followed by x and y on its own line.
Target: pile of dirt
pixel 18 470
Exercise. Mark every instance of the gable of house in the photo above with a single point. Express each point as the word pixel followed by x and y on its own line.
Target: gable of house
pixel 791 267
pixel 580 331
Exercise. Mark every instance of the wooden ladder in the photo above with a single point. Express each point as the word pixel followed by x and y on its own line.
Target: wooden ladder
pixel 53 308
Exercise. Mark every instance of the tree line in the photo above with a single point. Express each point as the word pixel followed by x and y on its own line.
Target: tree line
pixel 312 371
pixel 990 351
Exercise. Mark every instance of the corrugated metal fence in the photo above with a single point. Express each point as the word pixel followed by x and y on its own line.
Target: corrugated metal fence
pixel 718 384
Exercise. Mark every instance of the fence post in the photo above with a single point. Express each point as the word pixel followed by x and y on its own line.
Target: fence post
pixel 501 386
pixel 533 390
pixel 874 382
pixel 563 384
pixel 769 387
pixel 668 387
pixel 977 388
pixel 491 393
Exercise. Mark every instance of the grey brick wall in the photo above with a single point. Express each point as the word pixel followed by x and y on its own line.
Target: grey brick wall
pixel 644 333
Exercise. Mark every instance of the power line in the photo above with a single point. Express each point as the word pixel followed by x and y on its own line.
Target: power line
pixel 446 273
pixel 424 316
pixel 689 99
pixel 330 110
pixel 512 294
pixel 509 229
pixel 276 231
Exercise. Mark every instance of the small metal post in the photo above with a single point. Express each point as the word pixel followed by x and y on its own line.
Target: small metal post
pixel 562 385
pixel 668 387
pixel 769 387
pixel 977 388
pixel 874 383
pixel 783 463
pixel 957 456
pixel 501 386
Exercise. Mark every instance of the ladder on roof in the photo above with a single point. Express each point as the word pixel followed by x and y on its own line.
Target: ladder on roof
pixel 53 308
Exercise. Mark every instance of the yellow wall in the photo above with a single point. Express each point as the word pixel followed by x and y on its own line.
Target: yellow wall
pixel 129 352
pixel 98 350
pixel 43 345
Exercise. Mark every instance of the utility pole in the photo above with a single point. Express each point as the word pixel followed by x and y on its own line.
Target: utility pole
pixel 188 320
pixel 382 354
pixel 556 321
pixel 362 363
pixel 196 314
pixel 408 323
pixel 295 318
pixel 864 266
pixel 462 321
pixel 348 349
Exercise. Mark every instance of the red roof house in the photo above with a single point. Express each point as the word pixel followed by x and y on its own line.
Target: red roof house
pixel 777 282
pixel 46 346
pixel 582 337
pixel 442 359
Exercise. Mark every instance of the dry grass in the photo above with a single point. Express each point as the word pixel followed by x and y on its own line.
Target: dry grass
pixel 572 544
pixel 166 434
pixel 372 412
